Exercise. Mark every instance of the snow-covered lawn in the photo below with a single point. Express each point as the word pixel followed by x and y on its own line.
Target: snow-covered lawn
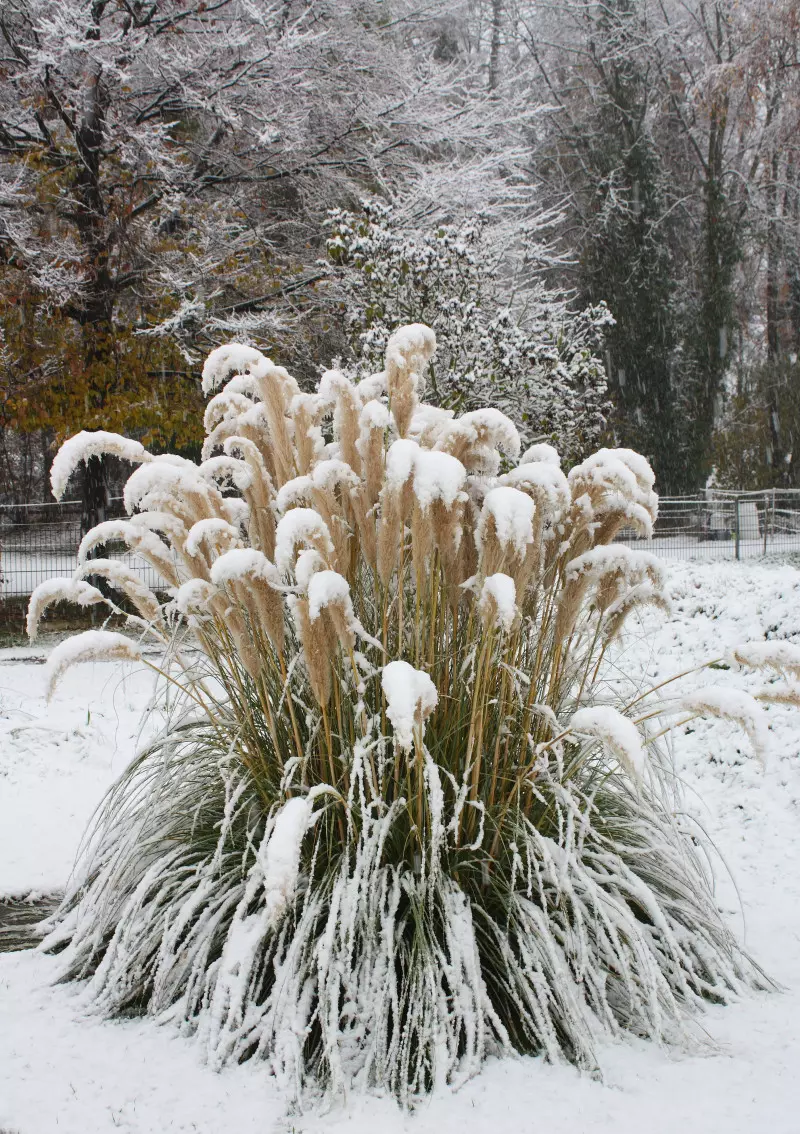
pixel 61 1071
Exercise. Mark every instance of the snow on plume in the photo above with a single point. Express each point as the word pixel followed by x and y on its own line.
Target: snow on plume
pixel 233 358
pixel 85 445
pixel 211 532
pixel 486 427
pixel 437 476
pixel 241 384
pixel 295 491
pixel 401 460
pixel 498 601
pixel 327 474
pixel 331 385
pixel 304 401
pixel 136 536
pixel 124 579
pixel 543 453
pixel 781 656
pixel 545 480
pixel 414 346
pixel 308 563
pixel 159 482
pixel 733 705
pixel 165 522
pixel 428 422
pixel 512 512
pixel 231 469
pixel 493 428
pixel 617 733
pixel 371 388
pixel 240 564
pixel 91 645
pixel 605 470
pixel 639 466
pixel 326 588
pixel 194 596
pixel 58 590
pixel 237 512
pixel 622 471
pixel 637 515
pixel 224 406
pixel 301 525
pixel 410 697
pixel 631 564
pixel 374 415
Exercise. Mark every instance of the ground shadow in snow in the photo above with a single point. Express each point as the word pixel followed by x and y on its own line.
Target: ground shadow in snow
pixel 19 921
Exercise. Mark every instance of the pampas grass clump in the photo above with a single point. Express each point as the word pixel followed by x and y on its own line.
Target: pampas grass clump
pixel 393 823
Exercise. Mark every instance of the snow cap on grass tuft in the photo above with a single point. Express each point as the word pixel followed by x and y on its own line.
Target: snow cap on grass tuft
pixel 541 453
pixel 281 859
pixel 300 525
pixel 240 564
pixel 85 445
pixel 58 590
pixel 414 346
pixel 512 513
pixel 437 476
pixel 733 705
pixel 91 645
pixel 194 597
pixel 326 588
pixel 498 601
pixel 410 697
pixel 617 733
pixel 233 358
pixel 781 656
pixel 136 536
pixel 212 533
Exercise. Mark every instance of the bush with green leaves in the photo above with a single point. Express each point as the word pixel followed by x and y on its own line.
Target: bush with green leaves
pixel 755 443
pixel 396 820
pixel 527 353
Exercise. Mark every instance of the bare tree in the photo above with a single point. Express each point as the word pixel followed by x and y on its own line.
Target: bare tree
pixel 165 166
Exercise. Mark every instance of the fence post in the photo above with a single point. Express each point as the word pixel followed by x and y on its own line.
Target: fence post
pixel 737 529
pixel 766 519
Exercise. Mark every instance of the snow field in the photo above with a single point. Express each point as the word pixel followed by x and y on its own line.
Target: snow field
pixel 61 1070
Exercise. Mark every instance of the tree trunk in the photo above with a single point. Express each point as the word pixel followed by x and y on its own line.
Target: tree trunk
pixel 773 347
pixel 791 218
pixel 97 350
pixel 94 495
pixel 712 336
pixel 494 50
pixel 777 449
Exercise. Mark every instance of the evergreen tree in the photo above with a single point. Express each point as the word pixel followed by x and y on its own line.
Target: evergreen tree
pixel 626 259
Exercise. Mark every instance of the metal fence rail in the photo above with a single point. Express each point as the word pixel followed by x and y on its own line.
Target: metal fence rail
pixel 40 541
pixel 725 525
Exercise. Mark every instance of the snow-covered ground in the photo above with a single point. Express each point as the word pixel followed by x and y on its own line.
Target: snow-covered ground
pixel 63 1071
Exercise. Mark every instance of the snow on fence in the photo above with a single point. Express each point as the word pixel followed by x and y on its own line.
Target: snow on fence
pixel 40 541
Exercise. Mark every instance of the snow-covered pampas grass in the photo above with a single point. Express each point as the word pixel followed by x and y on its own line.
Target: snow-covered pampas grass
pixel 394 823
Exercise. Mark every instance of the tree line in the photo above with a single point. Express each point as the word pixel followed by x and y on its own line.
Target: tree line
pixel 597 202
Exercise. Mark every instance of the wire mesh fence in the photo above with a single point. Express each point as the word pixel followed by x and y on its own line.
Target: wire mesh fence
pixel 725 525
pixel 40 541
